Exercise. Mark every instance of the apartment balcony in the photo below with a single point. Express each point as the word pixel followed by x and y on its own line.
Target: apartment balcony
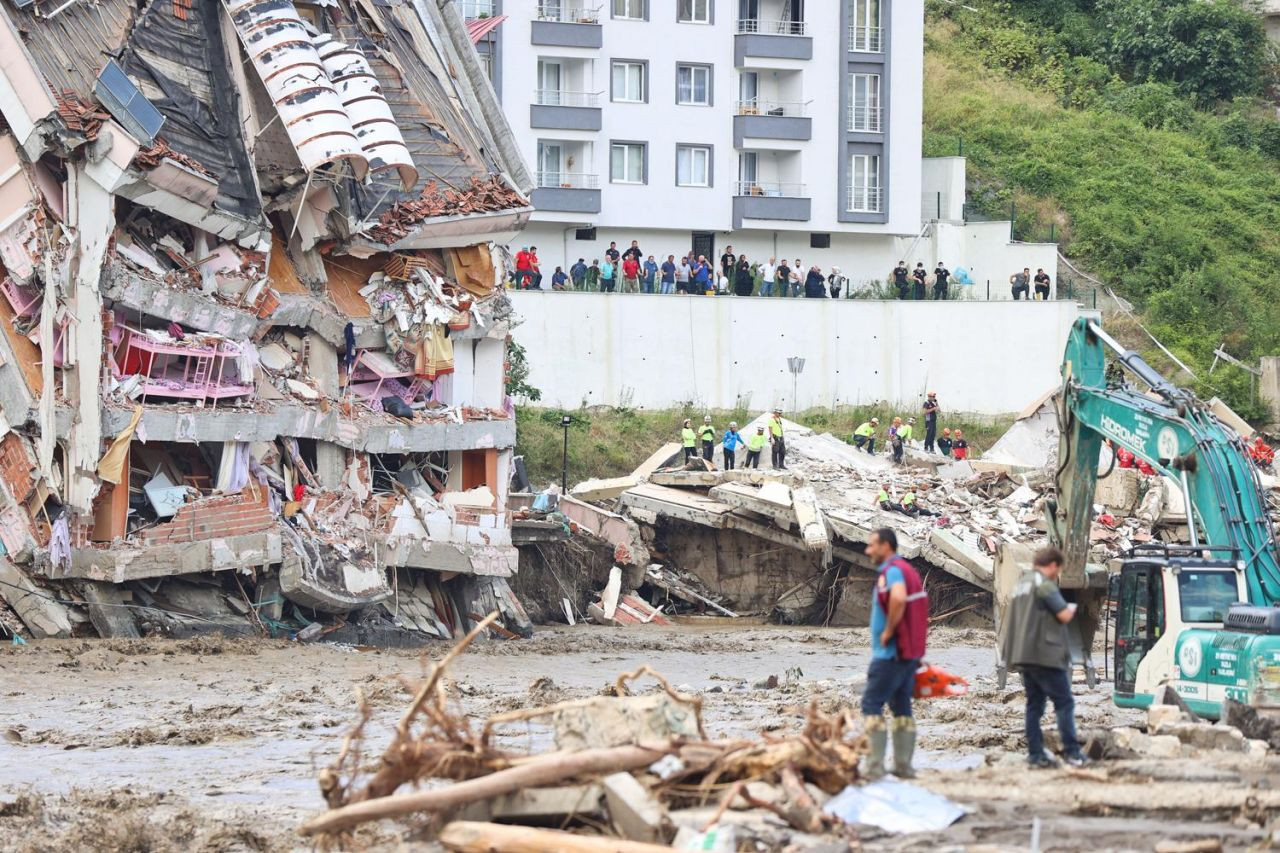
pixel 567 192
pixel 472 9
pixel 771 39
pixel 866 39
pixel 865 119
pixel 865 200
pixel 761 119
pixel 764 200
pixel 556 109
pixel 558 25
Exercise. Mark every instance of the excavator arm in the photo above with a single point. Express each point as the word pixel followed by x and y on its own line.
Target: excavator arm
pixel 1172 431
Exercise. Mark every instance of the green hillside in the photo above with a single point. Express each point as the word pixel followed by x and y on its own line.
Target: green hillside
pixel 1161 179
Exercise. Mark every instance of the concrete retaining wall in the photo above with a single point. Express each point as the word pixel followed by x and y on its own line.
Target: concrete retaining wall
pixel 718 352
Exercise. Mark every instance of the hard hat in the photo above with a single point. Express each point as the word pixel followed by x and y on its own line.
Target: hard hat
pixel 706 419
pixel 875 420
pixel 759 429
pixel 778 410
pixel 733 424
pixel 911 420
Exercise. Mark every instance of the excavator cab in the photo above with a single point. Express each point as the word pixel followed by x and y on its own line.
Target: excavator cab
pixel 1161 591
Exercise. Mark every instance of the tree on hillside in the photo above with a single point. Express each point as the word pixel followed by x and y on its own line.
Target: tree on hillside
pixel 1210 50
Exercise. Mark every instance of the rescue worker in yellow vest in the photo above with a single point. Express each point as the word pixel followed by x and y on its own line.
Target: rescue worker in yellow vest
pixel 689 440
pixel 755 444
pixel 911 506
pixel 776 439
pixel 885 502
pixel 707 435
pixel 864 437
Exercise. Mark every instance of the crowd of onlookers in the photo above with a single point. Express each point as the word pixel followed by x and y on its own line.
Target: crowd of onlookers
pixel 630 270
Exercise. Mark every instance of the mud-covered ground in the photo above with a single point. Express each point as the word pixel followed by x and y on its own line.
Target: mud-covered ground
pixel 212 744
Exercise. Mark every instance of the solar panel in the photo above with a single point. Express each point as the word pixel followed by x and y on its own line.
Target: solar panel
pixel 127 104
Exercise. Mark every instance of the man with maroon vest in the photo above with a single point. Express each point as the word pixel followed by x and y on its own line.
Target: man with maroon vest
pixel 899 623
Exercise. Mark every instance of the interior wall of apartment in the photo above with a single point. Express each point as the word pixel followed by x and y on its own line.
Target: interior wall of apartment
pixel 720 352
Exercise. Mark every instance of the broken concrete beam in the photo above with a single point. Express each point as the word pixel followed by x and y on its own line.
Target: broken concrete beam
pixel 813 524
pixel 734 521
pixel 687 479
pixel 43 616
pixel 335 587
pixel 773 503
pixel 634 810
pixel 660 458
pixel 979 567
pixel 600 722
pixel 540 805
pixel 858 532
pixel 124 563
pixel 603 490
pixel 107 611
pixel 1012 559
pixel 674 503
pixel 620 532
pixel 1228 416
pixel 190 309
pixel 1119 490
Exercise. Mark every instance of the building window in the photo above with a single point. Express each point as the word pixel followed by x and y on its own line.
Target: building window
pixel 626 163
pixel 628 82
pixel 693 166
pixel 864 183
pixel 629 10
pixel 864 103
pixel 693 11
pixel 865 35
pixel 693 85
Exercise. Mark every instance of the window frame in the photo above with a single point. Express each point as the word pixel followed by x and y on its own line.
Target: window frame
pixel 874 81
pixel 692 68
pixel 644 161
pixel 878 186
pixel 643 65
pixel 709 8
pixel 613 10
pixel 709 167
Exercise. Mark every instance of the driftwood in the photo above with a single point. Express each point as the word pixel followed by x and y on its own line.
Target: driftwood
pixel 550 770
pixel 471 837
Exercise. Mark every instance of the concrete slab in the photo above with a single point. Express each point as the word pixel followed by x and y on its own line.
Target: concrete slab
pixel 975 567
pixel 660 458
pixel 622 533
pixel 812 521
pixel 688 479
pixel 124 563
pixel 603 490
pixel 43 617
pixel 107 611
pixel 772 504
pixel 338 587
pixel 675 503
pixel 1120 491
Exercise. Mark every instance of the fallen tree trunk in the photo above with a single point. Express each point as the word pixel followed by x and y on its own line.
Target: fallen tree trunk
pixel 550 770
pixel 472 837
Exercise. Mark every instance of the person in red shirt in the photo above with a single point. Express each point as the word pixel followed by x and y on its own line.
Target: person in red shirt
pixel 959 447
pixel 524 268
pixel 630 274
pixel 1263 455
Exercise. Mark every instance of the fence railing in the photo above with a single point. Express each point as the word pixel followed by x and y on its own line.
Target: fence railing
pixel 762 107
pixel 568 14
pixel 568 180
pixel 562 98
pixel 865 199
pixel 768 27
pixel 476 8
pixel 866 39
pixel 865 119
pixel 769 189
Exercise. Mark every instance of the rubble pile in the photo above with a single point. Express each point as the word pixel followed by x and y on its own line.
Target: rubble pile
pixel 638 769
pixel 252 333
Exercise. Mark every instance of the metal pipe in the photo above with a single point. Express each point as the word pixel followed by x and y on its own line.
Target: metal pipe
pixel 1191 510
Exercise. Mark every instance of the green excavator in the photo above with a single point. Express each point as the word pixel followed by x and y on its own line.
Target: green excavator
pixel 1200 617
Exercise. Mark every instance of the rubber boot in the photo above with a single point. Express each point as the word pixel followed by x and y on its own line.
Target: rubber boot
pixel 878 741
pixel 904 747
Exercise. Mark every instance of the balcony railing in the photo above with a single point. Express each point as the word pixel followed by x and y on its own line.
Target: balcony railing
pixel 476 8
pixel 865 119
pixel 865 199
pixel 769 189
pixel 568 14
pixel 761 107
pixel 568 180
pixel 771 27
pixel 561 98
pixel 866 39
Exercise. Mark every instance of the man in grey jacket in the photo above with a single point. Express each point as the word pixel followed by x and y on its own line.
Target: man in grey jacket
pixel 1033 641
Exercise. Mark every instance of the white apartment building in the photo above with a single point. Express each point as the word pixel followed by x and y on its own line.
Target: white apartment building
pixel 782 127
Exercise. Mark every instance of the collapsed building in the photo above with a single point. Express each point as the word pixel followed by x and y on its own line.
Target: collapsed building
pixel 253 334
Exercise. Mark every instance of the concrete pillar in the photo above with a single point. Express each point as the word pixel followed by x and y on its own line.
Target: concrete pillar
pixel 322 365
pixel 331 464
pixel 1269 386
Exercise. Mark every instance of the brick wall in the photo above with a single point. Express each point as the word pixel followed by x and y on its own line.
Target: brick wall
pixel 213 518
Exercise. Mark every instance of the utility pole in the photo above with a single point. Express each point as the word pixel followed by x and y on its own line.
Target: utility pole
pixel 795 364
pixel 565 422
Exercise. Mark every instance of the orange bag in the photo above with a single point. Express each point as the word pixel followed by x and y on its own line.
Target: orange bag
pixel 932 681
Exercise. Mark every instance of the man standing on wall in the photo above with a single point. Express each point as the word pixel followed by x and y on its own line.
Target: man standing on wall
pixel 630 274
pixel 941 276
pixel 728 261
pixel 930 421
pixel 668 274
pixel 611 254
pixel 919 275
pixel 1042 285
pixel 707 435
pixel 1021 282
pixel 634 251
pixel 782 276
pixel 1033 640
pixel 899 625
pixel 900 275
pixel 767 272
pixel 649 275
pixel 778 440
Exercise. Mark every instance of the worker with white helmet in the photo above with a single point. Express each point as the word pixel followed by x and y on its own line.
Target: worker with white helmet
pixel 707 435
pixel 731 442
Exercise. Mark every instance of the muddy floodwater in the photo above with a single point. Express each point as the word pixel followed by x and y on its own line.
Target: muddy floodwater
pixel 212 744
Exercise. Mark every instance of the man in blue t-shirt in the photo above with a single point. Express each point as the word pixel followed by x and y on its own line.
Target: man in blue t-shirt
pixel 889 680
pixel 669 274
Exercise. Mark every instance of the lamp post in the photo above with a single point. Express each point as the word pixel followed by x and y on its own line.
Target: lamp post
pixel 796 365
pixel 565 422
